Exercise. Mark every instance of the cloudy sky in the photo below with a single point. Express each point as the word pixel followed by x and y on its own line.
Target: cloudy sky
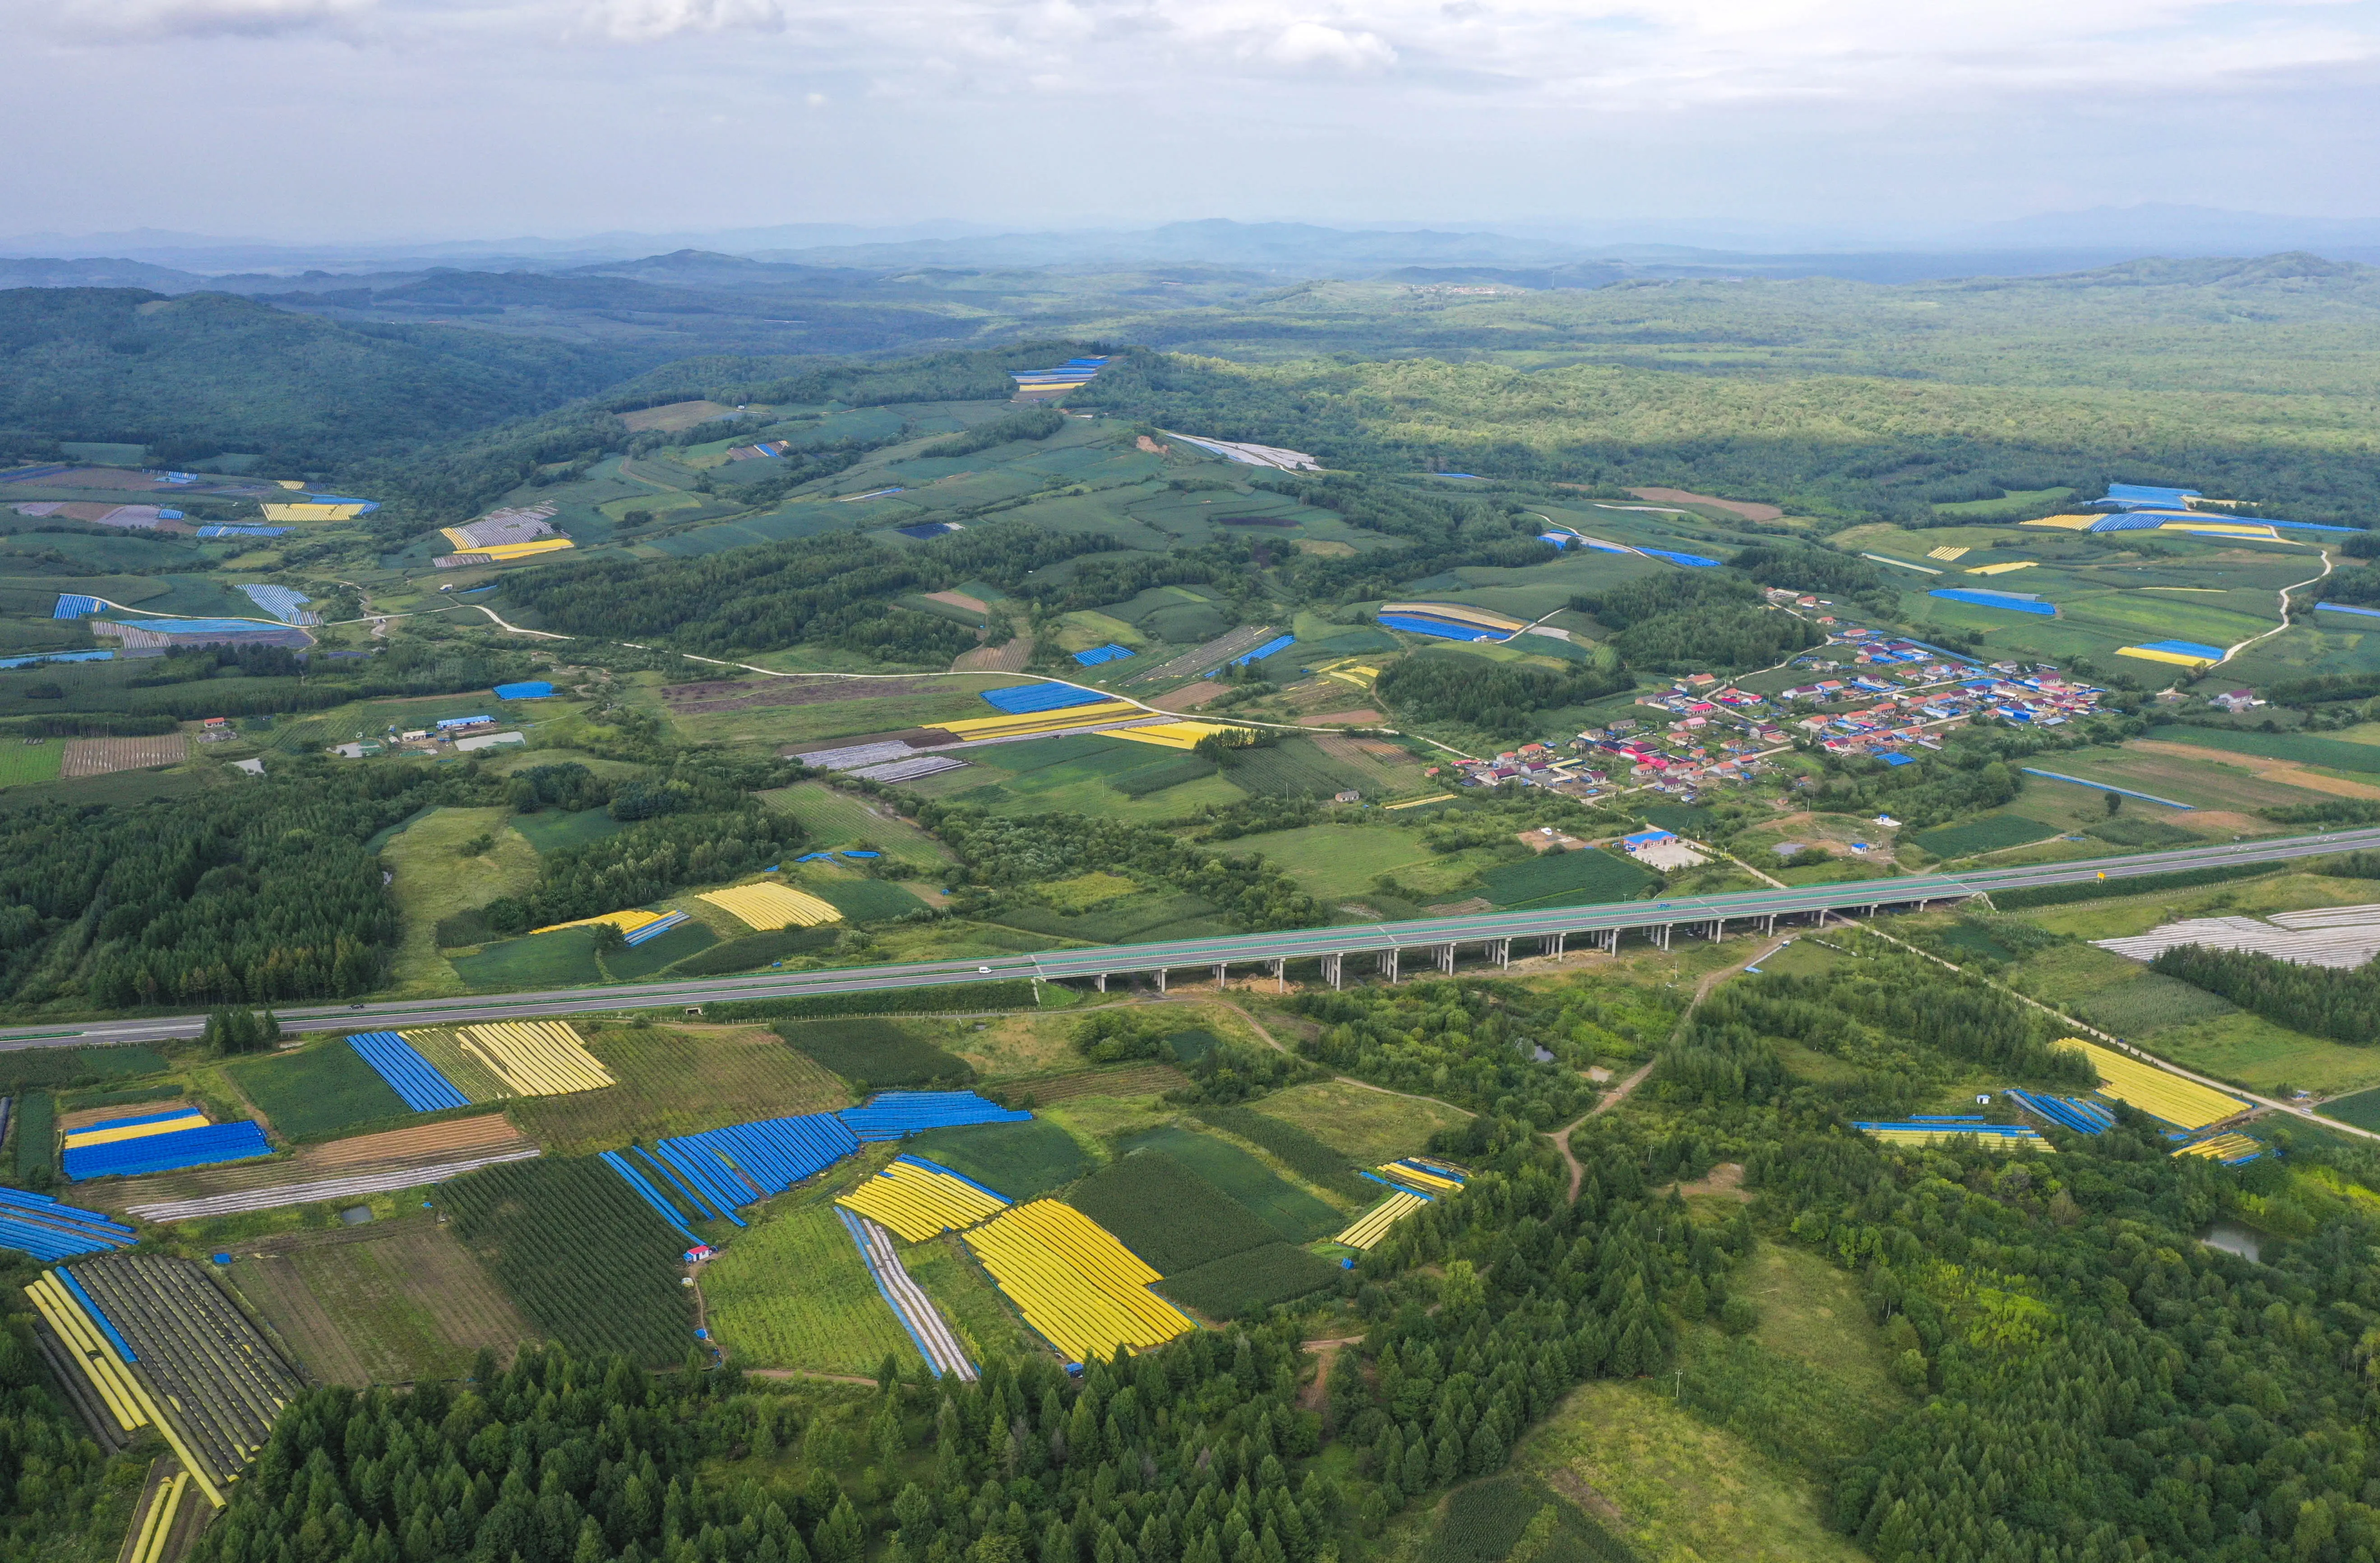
pixel 370 119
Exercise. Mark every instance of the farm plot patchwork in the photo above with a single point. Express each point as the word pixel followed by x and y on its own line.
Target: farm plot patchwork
pixel 319 1091
pixel 1086 1292
pixel 919 1199
pixel 1245 1284
pixel 675 1082
pixel 214 1383
pixel 1290 1211
pixel 873 1053
pixel 769 906
pixel 588 1263
pixel 532 1058
pixel 366 1164
pixel 1309 1158
pixel 1021 1161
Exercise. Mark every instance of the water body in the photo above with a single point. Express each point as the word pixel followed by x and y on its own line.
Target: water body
pixel 2233 1238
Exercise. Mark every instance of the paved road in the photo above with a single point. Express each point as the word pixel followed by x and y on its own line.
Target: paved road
pixel 1295 944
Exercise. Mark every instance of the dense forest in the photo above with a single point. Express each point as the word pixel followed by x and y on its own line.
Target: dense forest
pixel 1504 699
pixel 2343 1005
pixel 1698 621
pixel 1004 854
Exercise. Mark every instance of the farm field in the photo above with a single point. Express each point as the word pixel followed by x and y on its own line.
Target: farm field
pixel 1569 878
pixel 1292 1213
pixel 1305 1156
pixel 1991 834
pixel 793 1291
pixel 987 1324
pixel 679 1081
pixel 1244 1285
pixel 1020 1160
pixel 587 1263
pixel 1166 1212
pixel 326 1089
pixel 874 1054
pixel 831 818
pixel 434 880
pixel 1366 1126
pixel 405 1303
pixel 30 760
pixel 364 1164
pixel 97 756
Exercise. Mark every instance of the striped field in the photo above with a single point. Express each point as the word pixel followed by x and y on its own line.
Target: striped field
pixel 918 1199
pixel 1372 1226
pixel 536 1058
pixel 769 906
pixel 2184 1103
pixel 1084 1292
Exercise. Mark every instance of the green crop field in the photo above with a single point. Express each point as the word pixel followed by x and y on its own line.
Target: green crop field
pixel 588 1263
pixel 1241 1286
pixel 1991 834
pixel 793 1291
pixel 1299 1152
pixel 864 901
pixel 33 1127
pixel 1020 1160
pixel 2297 747
pixel 23 762
pixel 830 817
pixel 754 951
pixel 565 958
pixel 1330 860
pixel 674 1081
pixel 986 1323
pixel 1167 1214
pixel 1568 878
pixel 874 1054
pixel 324 1090
pixel 75 1066
pixel 2150 1003
pixel 551 831
pixel 2362 1110
pixel 1289 1210
pixel 1366 1127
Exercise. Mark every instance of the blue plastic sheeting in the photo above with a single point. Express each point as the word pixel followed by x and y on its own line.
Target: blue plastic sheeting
pixel 748 1162
pixel 651 1196
pixel 890 1115
pixel 2343 608
pixel 278 601
pixel 218 531
pixel 35 474
pixel 41 1226
pixel 98 1316
pixel 1444 629
pixel 2080 781
pixel 2078 1113
pixel 1896 760
pixel 75 605
pixel 1692 561
pixel 2129 523
pixel 2300 526
pixel 677 1182
pixel 1995 599
pixel 1277 643
pixel 165 1117
pixel 196 627
pixel 2144 493
pixel 1990 1131
pixel 446 722
pixel 654 931
pixel 2185 648
pixel 849 853
pixel 535 690
pixel 1024 699
pixel 169 1153
pixel 924 529
pixel 1098 654
pixel 58 657
pixel 407 1072
pixel 1560 539
pixel 1410 1165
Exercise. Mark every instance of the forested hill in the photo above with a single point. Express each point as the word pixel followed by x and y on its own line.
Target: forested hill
pixel 207 372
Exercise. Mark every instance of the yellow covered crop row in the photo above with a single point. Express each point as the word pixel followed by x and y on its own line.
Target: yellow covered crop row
pixel 2003 567
pixel 126 1398
pixel 917 1202
pixel 1173 734
pixel 1374 1224
pixel 1084 1291
pixel 535 1057
pixel 975 729
pixel 2183 1103
pixel 1949 1132
pixel 2223 1147
pixel 1399 1172
pixel 193 1118
pixel 627 921
pixel 769 906
pixel 2147 654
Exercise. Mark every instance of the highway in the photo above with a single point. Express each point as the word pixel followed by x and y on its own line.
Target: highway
pixel 1709 912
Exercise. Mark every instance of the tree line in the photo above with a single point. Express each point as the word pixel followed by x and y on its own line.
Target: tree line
pixel 2342 1004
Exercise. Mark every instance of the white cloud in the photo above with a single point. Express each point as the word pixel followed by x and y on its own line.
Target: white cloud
pixel 146 19
pixel 1314 43
pixel 648 22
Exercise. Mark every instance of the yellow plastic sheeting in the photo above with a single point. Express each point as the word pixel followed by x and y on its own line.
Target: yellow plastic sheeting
pixel 973 728
pixel 1173 734
pixel 2223 1147
pixel 2222 529
pixel 2066 523
pixel 535 1057
pixel 1073 1281
pixel 157 1519
pixel 311 512
pixel 2002 1142
pixel 90 1351
pixel 769 906
pixel 1463 612
pixel 1949 555
pixel 2003 569
pixel 1397 1172
pixel 1374 1224
pixel 501 551
pixel 192 1119
pixel 627 921
pixel 2176 658
pixel 2183 1103
pixel 920 1202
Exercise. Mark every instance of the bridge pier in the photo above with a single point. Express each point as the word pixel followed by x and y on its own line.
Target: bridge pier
pixel 1389 964
pixel 1222 971
pixel 1662 936
pixel 1330 970
pixel 1160 980
pixel 1443 959
pixel 1281 976
pixel 1554 944
pixel 1103 982
pixel 1768 924
pixel 1718 929
pixel 1501 951
pixel 1611 941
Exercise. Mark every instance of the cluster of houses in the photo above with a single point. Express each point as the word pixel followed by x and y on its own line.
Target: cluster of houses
pixel 1891 695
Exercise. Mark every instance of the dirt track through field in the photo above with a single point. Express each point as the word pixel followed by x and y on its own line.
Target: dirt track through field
pixel 2263 769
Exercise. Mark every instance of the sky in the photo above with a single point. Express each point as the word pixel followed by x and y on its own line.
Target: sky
pixel 369 120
